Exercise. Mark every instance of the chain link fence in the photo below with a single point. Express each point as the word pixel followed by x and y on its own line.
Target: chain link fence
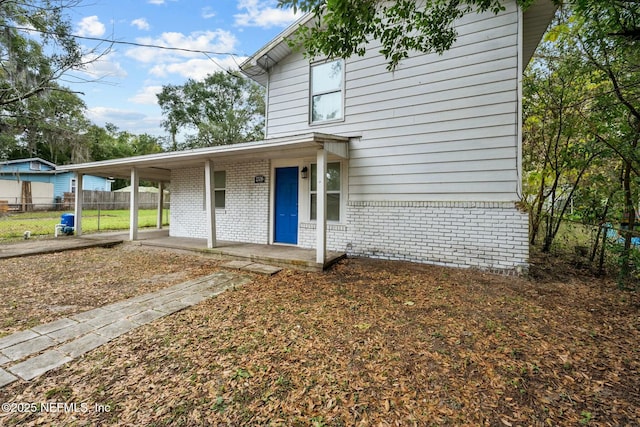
pixel 39 216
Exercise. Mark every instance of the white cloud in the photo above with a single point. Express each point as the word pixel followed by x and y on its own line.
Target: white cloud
pixel 196 69
pixel 101 67
pixel 207 12
pixel 264 14
pixel 132 121
pixel 146 96
pixel 90 26
pixel 210 41
pixel 156 2
pixel 141 24
pixel 113 114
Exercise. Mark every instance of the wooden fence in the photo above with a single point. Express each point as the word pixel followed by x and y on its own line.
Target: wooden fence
pixel 112 200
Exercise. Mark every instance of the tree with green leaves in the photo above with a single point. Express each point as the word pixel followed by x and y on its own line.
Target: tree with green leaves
pixel 48 125
pixel 224 108
pixel 343 28
pixel 36 48
pixel 558 148
pixel 608 36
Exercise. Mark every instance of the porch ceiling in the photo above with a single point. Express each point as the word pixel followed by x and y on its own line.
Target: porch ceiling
pixel 157 167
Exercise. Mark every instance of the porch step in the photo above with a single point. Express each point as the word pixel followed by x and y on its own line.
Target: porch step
pixel 253 267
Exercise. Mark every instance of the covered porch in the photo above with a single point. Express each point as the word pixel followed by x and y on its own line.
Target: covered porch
pixel 250 214
pixel 279 255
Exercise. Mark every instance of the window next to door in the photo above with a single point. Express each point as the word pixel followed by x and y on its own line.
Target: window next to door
pixel 220 190
pixel 333 191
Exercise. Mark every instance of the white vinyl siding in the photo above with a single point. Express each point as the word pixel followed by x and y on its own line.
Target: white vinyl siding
pixel 439 127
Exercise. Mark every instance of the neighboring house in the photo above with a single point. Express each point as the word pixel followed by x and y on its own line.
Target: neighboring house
pixel 421 164
pixel 48 183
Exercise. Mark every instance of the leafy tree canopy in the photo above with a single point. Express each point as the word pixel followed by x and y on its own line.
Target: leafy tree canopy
pixel 343 28
pixel 224 108
pixel 36 47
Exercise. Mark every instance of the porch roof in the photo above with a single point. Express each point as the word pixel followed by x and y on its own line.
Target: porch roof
pixel 157 167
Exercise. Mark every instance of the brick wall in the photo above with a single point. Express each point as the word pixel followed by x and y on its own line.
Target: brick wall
pixel 486 235
pixel 245 217
pixel 336 236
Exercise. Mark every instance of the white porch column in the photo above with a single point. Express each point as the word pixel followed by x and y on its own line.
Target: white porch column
pixel 321 216
pixel 209 202
pixel 160 205
pixel 77 216
pixel 133 209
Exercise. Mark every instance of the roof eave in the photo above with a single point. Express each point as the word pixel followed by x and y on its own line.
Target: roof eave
pixel 157 167
pixel 257 65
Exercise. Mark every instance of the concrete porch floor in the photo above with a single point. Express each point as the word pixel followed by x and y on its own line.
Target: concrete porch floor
pixel 279 255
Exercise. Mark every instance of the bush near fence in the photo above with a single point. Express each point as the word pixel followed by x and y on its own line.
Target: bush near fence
pixel 595 247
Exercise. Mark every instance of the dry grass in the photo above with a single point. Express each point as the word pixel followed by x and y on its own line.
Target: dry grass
pixel 39 289
pixel 368 343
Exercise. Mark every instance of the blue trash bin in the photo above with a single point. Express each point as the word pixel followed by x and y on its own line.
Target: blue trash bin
pixel 68 220
pixel 68 224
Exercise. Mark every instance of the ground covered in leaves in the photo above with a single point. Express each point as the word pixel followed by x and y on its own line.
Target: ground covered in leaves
pixel 367 343
pixel 43 288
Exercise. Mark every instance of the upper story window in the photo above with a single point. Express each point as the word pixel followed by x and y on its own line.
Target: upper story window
pixel 34 166
pixel 327 91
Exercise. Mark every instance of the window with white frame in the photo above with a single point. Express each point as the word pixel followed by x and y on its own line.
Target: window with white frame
pixel 326 91
pixel 220 190
pixel 35 166
pixel 220 183
pixel 73 185
pixel 333 191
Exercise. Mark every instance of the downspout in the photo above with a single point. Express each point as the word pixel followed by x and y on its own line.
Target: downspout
pixel 519 121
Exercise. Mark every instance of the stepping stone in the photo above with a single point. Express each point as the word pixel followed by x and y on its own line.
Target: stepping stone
pixel 146 317
pixel 38 365
pixel 54 326
pixel 16 338
pixel 83 345
pixel 6 378
pixel 73 331
pixel 269 270
pixel 89 315
pixel 116 329
pixel 237 265
pixel 4 359
pixel 25 348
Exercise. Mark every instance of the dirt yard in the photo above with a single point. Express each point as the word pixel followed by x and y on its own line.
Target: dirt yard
pixel 39 289
pixel 367 343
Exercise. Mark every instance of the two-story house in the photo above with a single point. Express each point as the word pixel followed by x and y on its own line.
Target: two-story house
pixel 420 164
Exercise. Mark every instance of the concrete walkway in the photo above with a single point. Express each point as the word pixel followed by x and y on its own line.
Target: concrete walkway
pixel 44 246
pixel 30 353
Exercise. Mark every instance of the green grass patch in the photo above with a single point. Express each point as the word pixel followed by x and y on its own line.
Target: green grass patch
pixel 43 223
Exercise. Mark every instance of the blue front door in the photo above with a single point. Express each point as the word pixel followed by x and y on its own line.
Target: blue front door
pixel 286 206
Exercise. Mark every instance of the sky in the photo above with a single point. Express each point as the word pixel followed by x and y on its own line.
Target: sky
pixel 120 86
